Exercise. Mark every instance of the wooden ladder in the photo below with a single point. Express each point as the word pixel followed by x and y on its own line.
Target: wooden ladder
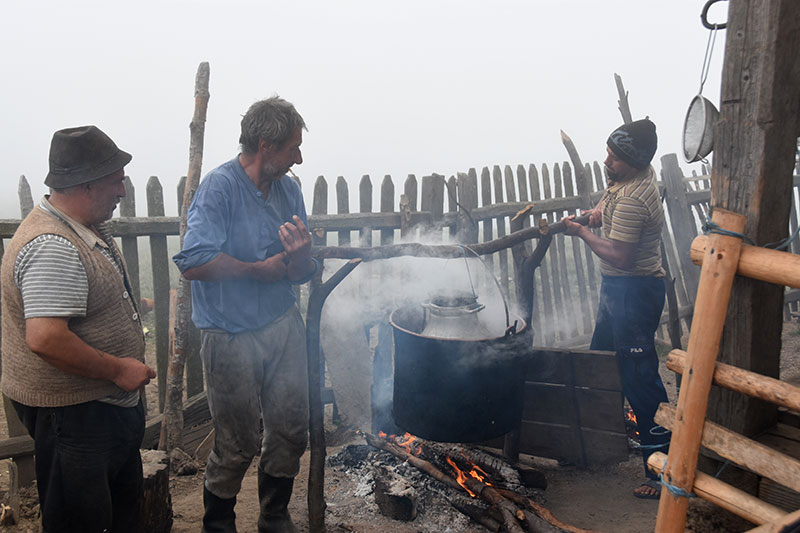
pixel 723 255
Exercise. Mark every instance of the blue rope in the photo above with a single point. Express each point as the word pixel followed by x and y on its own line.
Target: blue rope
pixel 784 244
pixel 677 491
pixel 650 446
pixel 712 227
pixel 654 431
pixel 719 472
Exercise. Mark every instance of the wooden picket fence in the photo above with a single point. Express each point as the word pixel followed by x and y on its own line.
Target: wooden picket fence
pixel 469 207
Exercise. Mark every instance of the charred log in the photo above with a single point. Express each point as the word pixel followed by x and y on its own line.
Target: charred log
pixel 477 513
pixel 396 499
pixel 542 512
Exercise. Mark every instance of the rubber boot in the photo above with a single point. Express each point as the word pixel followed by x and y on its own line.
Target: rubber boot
pixel 219 516
pixel 274 494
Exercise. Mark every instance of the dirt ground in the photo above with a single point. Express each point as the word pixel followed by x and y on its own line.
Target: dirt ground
pixel 598 499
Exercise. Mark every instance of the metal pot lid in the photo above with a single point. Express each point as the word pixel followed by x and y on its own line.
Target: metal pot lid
pixel 453 304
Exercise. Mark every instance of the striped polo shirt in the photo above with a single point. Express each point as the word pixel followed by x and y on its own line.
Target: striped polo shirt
pixel 632 213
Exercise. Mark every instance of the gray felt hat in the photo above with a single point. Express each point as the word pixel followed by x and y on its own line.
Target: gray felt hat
pixel 83 154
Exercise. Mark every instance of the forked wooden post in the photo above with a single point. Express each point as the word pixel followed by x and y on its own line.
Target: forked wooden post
pixel 713 294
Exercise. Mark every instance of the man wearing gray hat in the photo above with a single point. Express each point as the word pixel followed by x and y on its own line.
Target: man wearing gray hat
pixel 631 218
pixel 72 342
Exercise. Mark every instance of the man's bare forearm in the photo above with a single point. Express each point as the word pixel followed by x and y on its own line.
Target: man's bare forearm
pixel 52 340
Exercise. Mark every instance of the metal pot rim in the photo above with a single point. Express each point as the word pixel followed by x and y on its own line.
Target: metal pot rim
pixel 521 327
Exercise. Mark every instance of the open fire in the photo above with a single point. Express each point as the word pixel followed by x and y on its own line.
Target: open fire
pixel 497 498
pixel 414 446
pixel 475 472
pixel 630 424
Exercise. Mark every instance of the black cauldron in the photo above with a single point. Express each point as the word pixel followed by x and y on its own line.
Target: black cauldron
pixel 455 390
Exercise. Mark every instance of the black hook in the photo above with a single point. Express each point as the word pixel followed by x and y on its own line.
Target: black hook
pixel 704 16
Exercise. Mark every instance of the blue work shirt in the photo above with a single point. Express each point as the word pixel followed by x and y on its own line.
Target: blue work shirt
pixel 229 215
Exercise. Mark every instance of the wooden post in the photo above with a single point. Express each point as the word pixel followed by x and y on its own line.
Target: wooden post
pixel 499 198
pixel 387 206
pixel 194 366
pixel 754 155
pixel 319 206
pixel 130 246
pixel 716 278
pixel 622 104
pixel 25 197
pixel 577 307
pixel 680 216
pixel 343 207
pixel 410 192
pixel 522 183
pixel 432 199
pixel 559 262
pixel 547 320
pixel 486 200
pixel 451 188
pixel 511 197
pixel 468 198
pixel 365 206
pixel 172 427
pixel 22 467
pixel 160 266
pixel 316 475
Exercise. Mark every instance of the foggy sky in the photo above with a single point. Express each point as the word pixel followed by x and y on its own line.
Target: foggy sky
pixel 385 88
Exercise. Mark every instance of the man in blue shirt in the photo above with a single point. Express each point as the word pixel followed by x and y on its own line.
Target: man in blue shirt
pixel 246 244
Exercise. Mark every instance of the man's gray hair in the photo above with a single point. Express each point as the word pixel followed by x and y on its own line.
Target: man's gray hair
pixel 273 120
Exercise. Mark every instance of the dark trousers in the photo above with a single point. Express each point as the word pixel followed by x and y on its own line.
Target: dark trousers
pixel 88 467
pixel 627 319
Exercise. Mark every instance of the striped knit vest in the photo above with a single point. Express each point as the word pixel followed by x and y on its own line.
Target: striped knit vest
pixel 111 323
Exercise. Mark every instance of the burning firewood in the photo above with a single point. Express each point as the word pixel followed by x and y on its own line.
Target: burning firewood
pixel 497 469
pixel 509 510
pixel 423 465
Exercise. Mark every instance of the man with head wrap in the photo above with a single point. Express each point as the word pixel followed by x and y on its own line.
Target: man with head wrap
pixel 631 218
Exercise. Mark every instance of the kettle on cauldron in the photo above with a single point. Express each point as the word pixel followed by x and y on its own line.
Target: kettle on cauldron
pixel 454 315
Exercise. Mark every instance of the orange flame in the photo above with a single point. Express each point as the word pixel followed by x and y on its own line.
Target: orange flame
pixel 479 474
pixel 460 477
pixel 404 442
pixel 630 416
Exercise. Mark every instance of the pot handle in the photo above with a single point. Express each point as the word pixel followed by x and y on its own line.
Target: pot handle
pixel 496 282
pixel 511 330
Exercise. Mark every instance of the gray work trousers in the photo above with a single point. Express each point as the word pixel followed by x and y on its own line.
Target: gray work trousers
pixel 256 376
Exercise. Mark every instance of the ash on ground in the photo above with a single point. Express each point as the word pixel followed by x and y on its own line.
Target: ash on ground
pixel 435 511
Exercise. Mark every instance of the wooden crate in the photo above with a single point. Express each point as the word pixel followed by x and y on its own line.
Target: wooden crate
pixel 573 407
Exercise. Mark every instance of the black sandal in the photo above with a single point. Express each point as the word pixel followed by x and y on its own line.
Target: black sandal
pixel 653 484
